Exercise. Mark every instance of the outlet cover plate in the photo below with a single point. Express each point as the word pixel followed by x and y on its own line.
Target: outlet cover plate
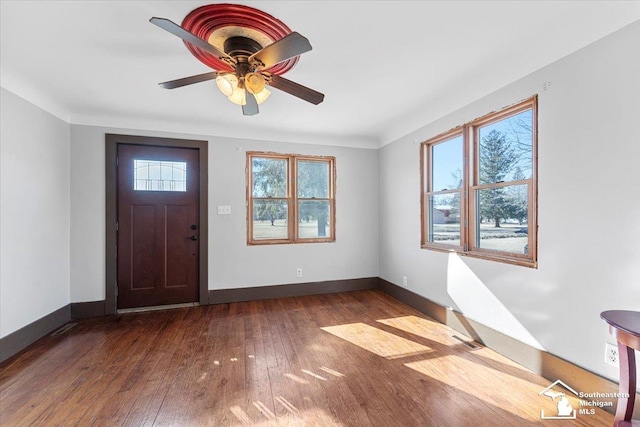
pixel 611 354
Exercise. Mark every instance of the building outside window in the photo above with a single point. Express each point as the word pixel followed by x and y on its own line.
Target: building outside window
pixel 479 187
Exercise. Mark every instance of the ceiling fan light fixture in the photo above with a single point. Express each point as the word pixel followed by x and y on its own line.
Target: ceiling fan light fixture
pixel 262 95
pixel 238 96
pixel 227 83
pixel 254 82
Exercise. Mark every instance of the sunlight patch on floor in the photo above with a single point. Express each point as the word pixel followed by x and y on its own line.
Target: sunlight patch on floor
pixel 286 404
pixel 424 328
pixel 295 378
pixel 292 416
pixel 480 381
pixel 241 415
pixel 313 374
pixel 264 410
pixel 377 341
pixel 331 371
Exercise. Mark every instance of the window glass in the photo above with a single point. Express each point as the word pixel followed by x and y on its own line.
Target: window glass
pixel 291 198
pixel 159 175
pixel 506 149
pixel 444 218
pixel 314 219
pixel 446 164
pixel 479 187
pixel 270 219
pixel 502 223
pixel 313 179
pixel 269 177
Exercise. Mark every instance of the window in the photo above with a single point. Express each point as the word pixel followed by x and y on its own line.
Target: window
pixel 479 187
pixel 154 175
pixel 290 198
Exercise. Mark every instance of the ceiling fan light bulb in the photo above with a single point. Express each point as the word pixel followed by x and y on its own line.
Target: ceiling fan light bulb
pixel 262 95
pixel 238 96
pixel 227 83
pixel 254 83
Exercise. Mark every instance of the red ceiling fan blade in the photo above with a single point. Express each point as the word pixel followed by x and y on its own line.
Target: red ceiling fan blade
pixel 291 45
pixel 295 89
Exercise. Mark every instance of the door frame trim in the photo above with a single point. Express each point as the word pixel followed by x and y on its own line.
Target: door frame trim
pixel 111 150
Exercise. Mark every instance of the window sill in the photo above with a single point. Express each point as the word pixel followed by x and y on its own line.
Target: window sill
pixel 489 256
pixel 288 242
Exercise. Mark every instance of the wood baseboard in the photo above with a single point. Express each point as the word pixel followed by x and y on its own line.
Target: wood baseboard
pixel 85 310
pixel 541 362
pixel 222 296
pixel 19 340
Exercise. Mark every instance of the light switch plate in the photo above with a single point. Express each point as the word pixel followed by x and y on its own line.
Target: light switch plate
pixel 224 210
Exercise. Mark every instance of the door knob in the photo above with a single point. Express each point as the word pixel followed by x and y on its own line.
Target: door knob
pixel 194 227
pixel 194 237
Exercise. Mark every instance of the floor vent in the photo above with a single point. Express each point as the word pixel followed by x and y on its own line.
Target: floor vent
pixel 469 344
pixel 64 329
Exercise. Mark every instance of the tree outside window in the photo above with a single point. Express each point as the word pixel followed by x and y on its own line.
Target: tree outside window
pixel 290 198
pixel 494 190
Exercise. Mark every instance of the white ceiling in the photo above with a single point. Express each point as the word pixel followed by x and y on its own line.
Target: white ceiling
pixel 386 67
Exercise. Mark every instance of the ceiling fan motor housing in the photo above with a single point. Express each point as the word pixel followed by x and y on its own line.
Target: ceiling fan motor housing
pixel 241 46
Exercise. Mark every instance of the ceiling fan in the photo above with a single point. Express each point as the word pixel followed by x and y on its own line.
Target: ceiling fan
pixel 244 65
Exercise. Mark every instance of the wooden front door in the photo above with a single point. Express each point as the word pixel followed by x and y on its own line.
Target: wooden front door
pixel 158 225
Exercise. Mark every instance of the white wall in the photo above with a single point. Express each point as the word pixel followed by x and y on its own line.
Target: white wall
pixel 232 264
pixel 34 213
pixel 589 210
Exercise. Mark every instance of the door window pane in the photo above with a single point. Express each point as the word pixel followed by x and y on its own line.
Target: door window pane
pixel 503 223
pixel 159 175
pixel 314 216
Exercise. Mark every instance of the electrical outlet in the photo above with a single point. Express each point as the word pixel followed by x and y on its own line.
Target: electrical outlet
pixel 611 354
pixel 404 281
pixel 299 272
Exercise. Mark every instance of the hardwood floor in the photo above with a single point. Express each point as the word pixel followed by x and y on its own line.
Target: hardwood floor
pixel 351 359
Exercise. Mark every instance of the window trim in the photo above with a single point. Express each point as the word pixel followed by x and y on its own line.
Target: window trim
pixel 291 198
pixel 425 191
pixel 471 183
